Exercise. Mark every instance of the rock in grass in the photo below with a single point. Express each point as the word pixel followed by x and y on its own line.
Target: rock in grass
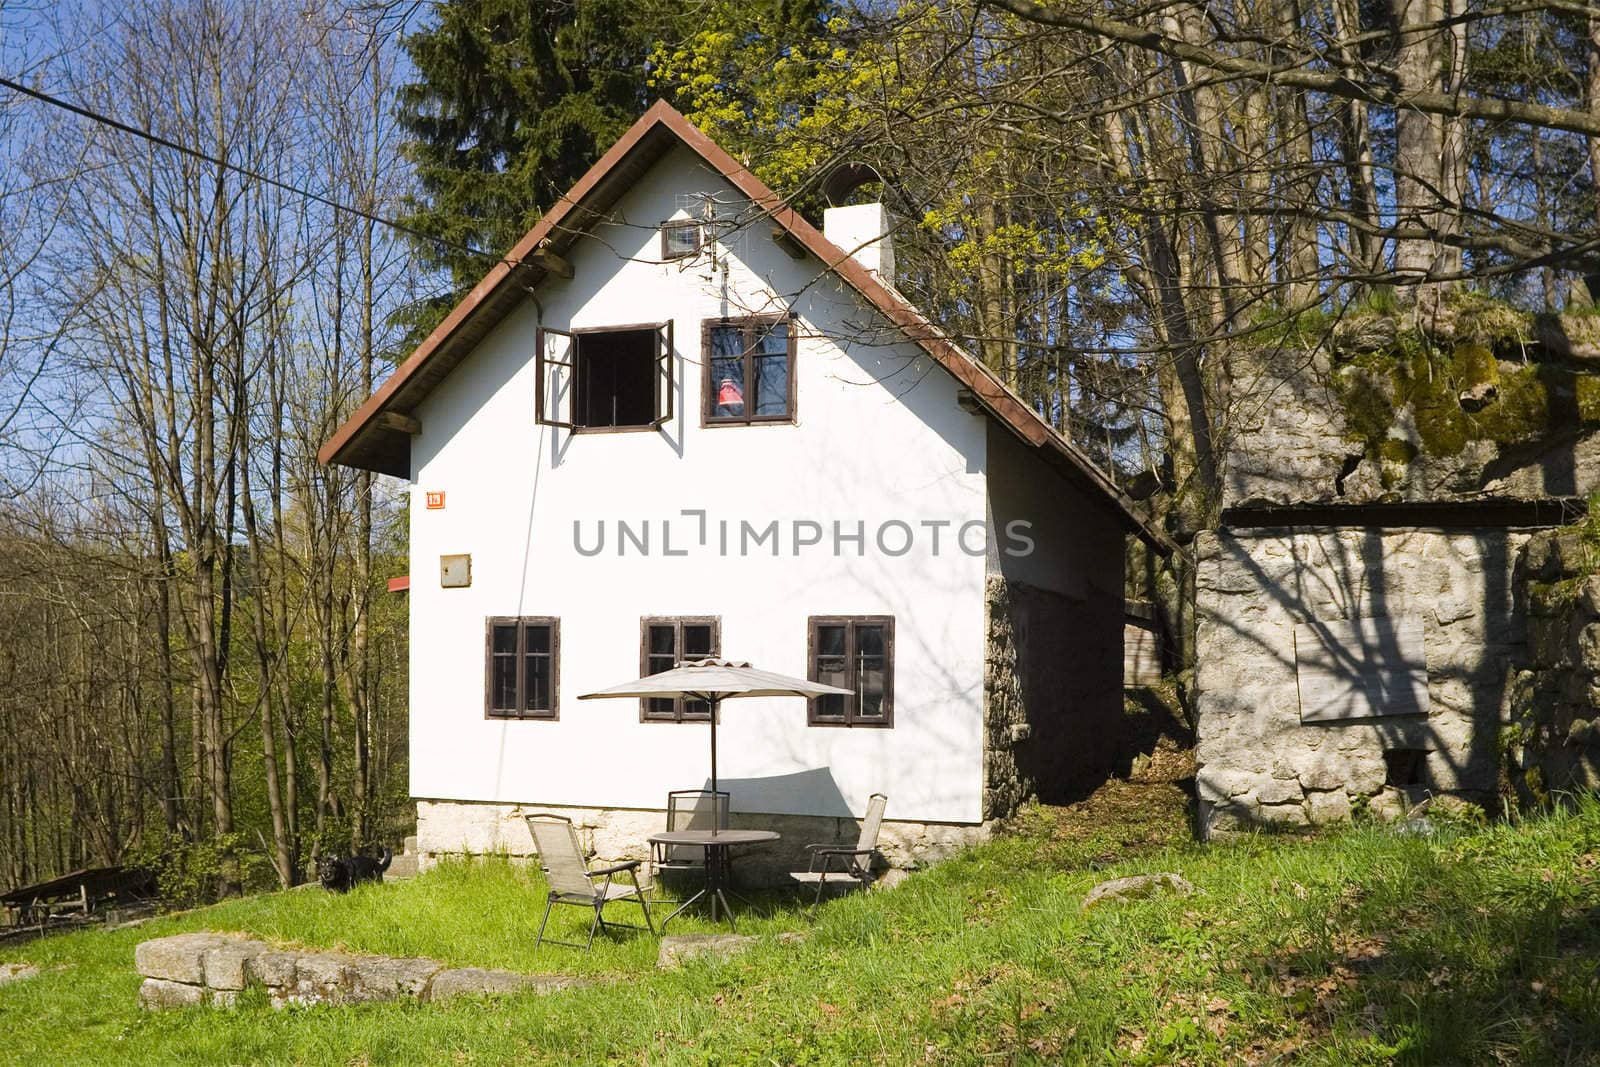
pixel 680 947
pixel 889 879
pixel 1137 887
pixel 158 994
pixel 16 972
pixel 478 981
pixel 179 958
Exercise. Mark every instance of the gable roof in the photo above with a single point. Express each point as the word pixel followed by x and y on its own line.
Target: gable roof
pixel 377 436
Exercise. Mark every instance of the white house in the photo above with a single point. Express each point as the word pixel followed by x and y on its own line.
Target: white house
pixel 677 420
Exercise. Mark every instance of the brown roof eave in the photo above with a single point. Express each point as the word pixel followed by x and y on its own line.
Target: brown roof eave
pixel 990 391
pixel 549 231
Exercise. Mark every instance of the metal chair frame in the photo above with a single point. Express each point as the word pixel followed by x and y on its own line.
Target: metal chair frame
pixel 572 882
pixel 686 857
pixel 854 863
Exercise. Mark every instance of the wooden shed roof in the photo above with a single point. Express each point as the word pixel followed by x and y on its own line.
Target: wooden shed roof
pixel 377 436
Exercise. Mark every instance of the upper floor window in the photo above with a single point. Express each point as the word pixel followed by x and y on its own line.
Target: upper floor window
pixel 855 653
pixel 680 238
pixel 522 667
pixel 663 644
pixel 605 378
pixel 749 370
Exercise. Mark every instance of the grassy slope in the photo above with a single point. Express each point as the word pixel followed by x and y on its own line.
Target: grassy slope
pixel 1365 947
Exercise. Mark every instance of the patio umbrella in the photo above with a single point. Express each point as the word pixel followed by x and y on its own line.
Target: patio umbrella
pixel 713 681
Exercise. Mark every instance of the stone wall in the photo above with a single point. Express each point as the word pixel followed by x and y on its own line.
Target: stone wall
pixel 1258 763
pixel 1552 743
pixel 187 970
pixel 1052 694
pixel 455 828
pixel 1468 403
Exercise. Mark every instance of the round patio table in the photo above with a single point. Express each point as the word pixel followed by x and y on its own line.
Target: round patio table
pixel 716 844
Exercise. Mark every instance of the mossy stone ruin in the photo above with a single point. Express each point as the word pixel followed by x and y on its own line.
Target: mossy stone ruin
pixel 1429 396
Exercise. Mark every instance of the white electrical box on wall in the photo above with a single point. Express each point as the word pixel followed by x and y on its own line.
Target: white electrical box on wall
pixel 455 572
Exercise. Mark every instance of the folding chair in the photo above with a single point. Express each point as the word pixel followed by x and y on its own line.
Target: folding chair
pixel 572 882
pixel 854 865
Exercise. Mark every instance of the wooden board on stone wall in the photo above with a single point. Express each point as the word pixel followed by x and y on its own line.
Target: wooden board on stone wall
pixel 1360 668
pixel 1141 656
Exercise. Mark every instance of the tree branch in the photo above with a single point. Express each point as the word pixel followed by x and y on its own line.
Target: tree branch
pixel 1489 109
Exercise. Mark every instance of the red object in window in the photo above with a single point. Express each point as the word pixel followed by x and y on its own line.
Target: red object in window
pixel 728 394
pixel 401 584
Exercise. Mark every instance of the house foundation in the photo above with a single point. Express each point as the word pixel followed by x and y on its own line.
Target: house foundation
pixel 447 828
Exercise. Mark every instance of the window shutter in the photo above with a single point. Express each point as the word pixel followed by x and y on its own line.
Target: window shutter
pixel 553 377
pixel 664 389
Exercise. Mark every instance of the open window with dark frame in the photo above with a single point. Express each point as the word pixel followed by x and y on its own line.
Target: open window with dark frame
pixel 665 642
pixel 522 667
pixel 605 378
pixel 749 366
pixel 854 652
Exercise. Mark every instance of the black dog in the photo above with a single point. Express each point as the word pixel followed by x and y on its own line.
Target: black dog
pixel 339 875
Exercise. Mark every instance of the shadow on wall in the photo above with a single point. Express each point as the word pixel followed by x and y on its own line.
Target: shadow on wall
pixel 1291 612
pixel 813 791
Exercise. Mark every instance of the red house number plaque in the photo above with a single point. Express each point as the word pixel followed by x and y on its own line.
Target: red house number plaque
pixel 435 499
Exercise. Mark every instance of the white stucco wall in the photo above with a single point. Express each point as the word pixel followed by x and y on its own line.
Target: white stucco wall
pixel 879 437
pixel 1072 541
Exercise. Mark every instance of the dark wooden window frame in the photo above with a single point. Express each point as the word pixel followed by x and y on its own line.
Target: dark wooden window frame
pixel 679 622
pixel 850 622
pixel 665 371
pixel 668 255
pixel 522 623
pixel 708 389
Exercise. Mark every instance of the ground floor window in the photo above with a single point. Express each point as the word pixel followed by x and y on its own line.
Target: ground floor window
pixel 855 653
pixel 522 663
pixel 663 644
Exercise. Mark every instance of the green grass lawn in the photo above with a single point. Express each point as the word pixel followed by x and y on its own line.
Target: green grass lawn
pixel 1369 946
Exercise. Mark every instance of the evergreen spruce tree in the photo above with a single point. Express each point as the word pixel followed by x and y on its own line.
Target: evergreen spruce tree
pixel 514 99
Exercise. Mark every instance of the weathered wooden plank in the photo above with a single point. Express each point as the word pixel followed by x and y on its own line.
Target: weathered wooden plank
pixel 1361 668
pixel 394 420
pixel 1141 656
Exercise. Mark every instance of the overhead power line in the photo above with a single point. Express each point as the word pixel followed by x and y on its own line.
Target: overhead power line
pixel 195 153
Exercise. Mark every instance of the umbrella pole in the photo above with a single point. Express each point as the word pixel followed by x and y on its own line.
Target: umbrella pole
pixel 714 701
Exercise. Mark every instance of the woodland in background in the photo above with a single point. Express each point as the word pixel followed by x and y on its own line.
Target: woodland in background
pixel 199 666
pixel 1116 205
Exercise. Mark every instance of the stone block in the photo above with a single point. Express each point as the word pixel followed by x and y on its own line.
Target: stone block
pixel 1325 773
pixel 158 994
pixel 456 982
pixel 16 972
pixel 1279 791
pixel 445 827
pixel 1289 815
pixel 889 879
pixel 1571 554
pixel 680 948
pixel 1323 809
pixel 1230 816
pixel 323 971
pixel 384 978
pixel 1390 804
pixel 226 966
pixel 179 958
pixel 271 967
pixel 1588 646
pixel 1138 887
